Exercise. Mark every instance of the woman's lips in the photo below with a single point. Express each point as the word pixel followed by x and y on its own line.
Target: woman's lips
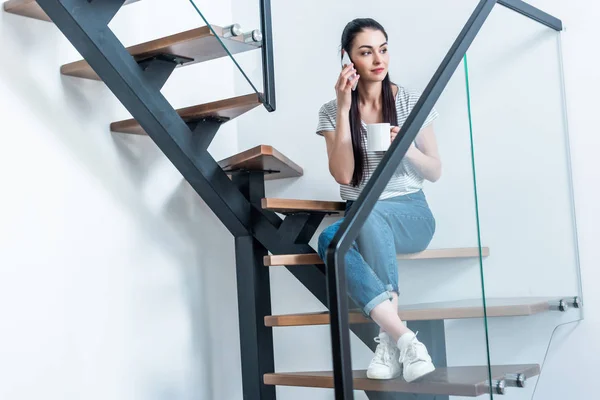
pixel 378 70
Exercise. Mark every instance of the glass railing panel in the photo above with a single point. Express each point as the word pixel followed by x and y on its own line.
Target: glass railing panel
pixel 239 39
pixel 524 186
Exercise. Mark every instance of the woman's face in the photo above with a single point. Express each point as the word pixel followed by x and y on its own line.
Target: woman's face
pixel 370 55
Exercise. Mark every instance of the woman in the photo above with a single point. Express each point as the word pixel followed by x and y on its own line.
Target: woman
pixel 401 221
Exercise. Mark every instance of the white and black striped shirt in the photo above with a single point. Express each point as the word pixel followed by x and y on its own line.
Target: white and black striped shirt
pixel 406 179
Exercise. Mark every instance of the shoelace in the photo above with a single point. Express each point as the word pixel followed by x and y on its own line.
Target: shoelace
pixel 382 355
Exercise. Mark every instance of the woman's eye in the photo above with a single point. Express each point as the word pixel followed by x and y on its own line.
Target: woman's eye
pixel 384 51
pixel 366 53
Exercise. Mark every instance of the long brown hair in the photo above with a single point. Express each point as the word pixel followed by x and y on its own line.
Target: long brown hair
pixel 390 114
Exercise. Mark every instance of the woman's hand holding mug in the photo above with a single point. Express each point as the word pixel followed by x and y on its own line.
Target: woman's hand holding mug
pixel 394 130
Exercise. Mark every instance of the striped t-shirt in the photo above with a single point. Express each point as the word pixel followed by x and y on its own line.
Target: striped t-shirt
pixel 406 179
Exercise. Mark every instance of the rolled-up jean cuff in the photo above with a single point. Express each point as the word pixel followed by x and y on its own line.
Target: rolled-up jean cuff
pixel 392 289
pixel 375 302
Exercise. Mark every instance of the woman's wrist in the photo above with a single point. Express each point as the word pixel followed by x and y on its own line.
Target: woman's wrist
pixel 343 112
pixel 342 117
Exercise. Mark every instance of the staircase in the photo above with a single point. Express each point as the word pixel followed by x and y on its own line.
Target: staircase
pixel 272 232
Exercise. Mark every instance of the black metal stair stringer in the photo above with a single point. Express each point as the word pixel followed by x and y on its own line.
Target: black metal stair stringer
pixel 125 78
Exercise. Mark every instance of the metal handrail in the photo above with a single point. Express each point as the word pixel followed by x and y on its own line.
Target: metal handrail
pixel 356 217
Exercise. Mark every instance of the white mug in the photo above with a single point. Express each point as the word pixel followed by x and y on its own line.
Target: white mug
pixel 378 137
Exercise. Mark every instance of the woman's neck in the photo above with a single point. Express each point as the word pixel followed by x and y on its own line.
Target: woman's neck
pixel 370 94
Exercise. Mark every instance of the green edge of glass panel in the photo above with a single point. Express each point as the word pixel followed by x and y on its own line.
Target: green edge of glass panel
pixel 485 317
pixel 224 47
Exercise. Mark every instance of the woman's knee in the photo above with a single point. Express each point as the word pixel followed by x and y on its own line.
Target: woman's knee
pixel 426 234
pixel 420 240
pixel 325 238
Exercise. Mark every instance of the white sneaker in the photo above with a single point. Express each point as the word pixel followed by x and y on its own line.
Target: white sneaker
pixel 414 357
pixel 385 364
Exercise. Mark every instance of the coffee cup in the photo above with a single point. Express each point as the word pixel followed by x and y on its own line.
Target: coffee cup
pixel 378 137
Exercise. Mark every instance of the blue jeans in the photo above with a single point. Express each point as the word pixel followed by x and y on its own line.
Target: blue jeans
pixel 400 225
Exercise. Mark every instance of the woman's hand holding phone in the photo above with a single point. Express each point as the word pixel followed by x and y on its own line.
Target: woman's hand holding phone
pixel 346 81
pixel 347 61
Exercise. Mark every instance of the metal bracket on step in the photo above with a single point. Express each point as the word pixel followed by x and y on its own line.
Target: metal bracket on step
pixel 194 124
pixel 232 30
pixel 254 37
pixel 560 305
pixel 498 387
pixel 245 170
pixel 515 380
pixel 576 302
pixel 159 68
pixel 179 60
pixel 204 131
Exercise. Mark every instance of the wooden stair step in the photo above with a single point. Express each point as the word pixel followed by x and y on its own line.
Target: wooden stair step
pixel 470 381
pixel 198 44
pixel 31 9
pixel 429 254
pixel 263 158
pixel 461 309
pixel 228 108
pixel 291 206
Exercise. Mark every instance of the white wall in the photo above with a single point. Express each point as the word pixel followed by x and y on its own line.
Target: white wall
pixel 109 261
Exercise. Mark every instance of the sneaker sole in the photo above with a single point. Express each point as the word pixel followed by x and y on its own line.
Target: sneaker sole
pixel 425 371
pixel 384 377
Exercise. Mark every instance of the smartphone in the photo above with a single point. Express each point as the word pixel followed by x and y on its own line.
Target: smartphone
pixel 346 61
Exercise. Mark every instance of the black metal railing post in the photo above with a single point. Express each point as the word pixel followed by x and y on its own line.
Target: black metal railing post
pixel 267 55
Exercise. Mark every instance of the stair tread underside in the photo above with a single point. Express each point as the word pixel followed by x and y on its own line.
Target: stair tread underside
pixel 263 158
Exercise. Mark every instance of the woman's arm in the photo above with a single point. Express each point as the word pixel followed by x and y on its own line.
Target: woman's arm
pixel 424 157
pixel 339 149
pixel 339 142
